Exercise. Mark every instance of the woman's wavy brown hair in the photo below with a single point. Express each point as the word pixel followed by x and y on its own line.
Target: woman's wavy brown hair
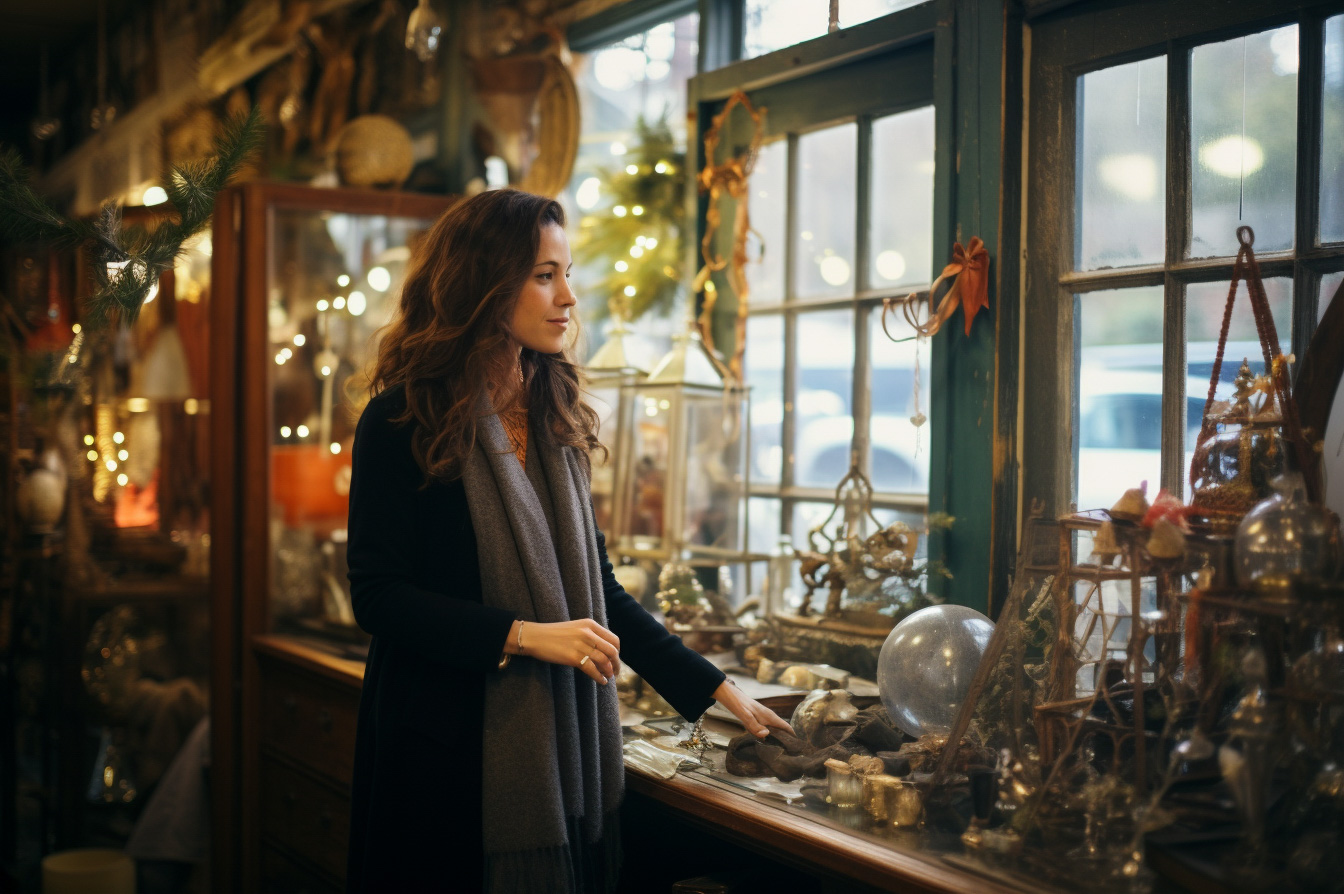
pixel 450 338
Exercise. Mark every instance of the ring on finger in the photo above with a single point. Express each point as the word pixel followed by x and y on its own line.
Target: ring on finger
pixel 584 661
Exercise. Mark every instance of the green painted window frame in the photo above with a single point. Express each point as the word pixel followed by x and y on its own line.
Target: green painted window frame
pixel 961 379
pixel 973 414
pixel 1086 37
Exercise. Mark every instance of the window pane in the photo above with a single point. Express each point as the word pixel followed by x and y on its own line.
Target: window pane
pixel 1119 394
pixel 1243 130
pixel 762 536
pixel 776 24
pixel 823 243
pixel 1332 162
pixel 900 449
pixel 1204 318
pixel 823 426
pixel 764 372
pixel 901 199
pixel 1122 149
pixel 769 207
pixel 1329 285
pixel 762 525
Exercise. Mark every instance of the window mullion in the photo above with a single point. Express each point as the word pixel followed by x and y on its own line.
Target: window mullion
pixel 789 425
pixel 1311 60
pixel 721 33
pixel 1173 386
pixel 1173 292
pixel 861 401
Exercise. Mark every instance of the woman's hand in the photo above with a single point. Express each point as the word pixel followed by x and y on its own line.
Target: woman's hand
pixel 755 716
pixel 584 644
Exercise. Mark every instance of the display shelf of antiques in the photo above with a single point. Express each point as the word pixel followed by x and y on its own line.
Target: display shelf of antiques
pixel 112 509
pixel 304 278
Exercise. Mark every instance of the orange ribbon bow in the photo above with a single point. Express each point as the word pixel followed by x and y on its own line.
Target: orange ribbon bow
pixel 970 267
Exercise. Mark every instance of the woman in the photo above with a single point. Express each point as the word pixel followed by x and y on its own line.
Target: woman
pixel 488 754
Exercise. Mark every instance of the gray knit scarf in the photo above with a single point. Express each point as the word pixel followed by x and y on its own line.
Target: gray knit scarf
pixel 552 772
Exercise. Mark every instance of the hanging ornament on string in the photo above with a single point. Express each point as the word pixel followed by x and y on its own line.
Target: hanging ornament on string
pixel 968 280
pixel 969 287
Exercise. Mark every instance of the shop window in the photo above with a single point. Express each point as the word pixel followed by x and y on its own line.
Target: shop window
pixel 1168 155
pixel 841 205
pixel 628 183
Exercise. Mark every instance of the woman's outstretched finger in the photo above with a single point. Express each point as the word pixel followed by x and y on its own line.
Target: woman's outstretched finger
pixel 770 718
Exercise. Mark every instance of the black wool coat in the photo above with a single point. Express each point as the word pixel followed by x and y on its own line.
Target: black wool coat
pixel 415 823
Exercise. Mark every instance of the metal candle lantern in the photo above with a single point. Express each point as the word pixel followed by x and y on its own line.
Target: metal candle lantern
pixel 683 483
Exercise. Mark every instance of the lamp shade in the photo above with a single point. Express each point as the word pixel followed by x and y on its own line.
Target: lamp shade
pixel 166 375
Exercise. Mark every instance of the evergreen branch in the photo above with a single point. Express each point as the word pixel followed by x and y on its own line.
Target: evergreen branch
pixel 192 189
pixel 24 215
pixel 129 261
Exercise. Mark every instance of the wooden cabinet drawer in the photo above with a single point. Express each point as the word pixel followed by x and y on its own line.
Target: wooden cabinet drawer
pixel 304 815
pixel 309 719
pixel 281 875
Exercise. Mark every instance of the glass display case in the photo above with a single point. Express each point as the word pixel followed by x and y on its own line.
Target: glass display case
pixel 314 275
pixel 304 279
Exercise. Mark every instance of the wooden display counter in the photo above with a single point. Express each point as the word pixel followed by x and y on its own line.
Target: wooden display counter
pixel 301 786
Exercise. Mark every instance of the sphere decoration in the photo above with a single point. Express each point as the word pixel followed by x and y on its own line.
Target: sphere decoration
pixel 374 150
pixel 925 668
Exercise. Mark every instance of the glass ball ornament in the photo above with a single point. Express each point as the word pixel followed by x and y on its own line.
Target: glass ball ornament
pixel 1286 539
pixel 424 31
pixel 925 668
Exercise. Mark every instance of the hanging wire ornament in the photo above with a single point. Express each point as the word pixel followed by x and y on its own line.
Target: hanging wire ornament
pixel 1230 470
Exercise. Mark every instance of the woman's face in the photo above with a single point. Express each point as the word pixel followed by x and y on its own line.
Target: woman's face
pixel 541 316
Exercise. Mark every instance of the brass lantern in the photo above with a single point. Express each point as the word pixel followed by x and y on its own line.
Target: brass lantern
pixel 683 488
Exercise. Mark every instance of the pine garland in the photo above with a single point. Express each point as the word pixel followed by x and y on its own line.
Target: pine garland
pixel 141 257
pixel 621 238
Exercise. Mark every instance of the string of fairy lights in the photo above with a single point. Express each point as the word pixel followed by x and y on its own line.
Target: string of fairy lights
pixel 325 360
